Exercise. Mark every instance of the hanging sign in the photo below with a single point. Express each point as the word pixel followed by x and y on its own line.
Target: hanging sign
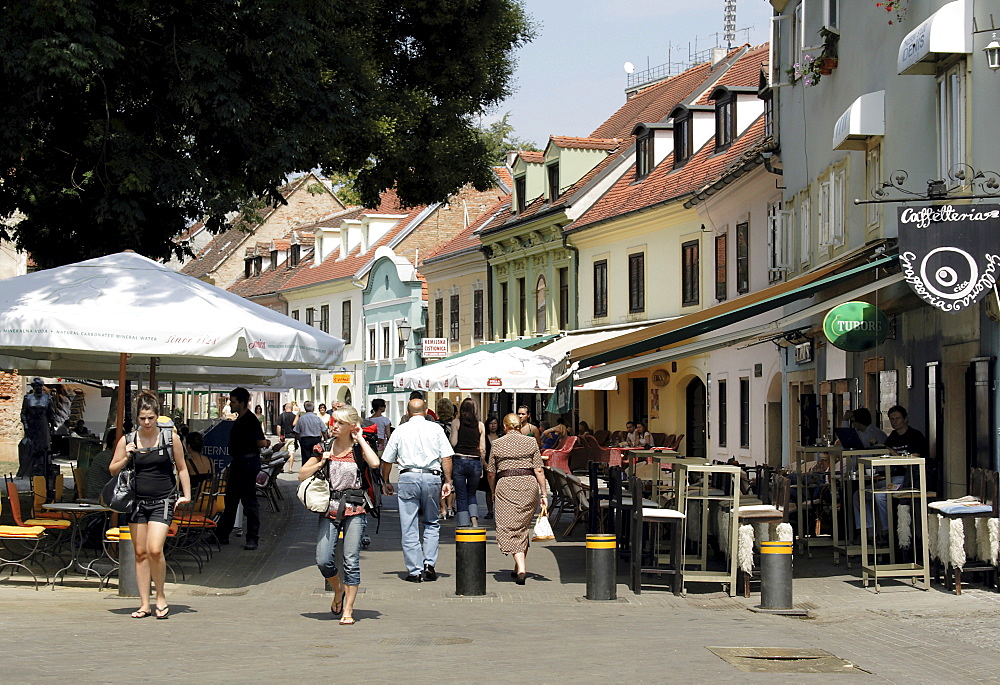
pixel 494 382
pixel 855 326
pixel 949 255
pixel 434 348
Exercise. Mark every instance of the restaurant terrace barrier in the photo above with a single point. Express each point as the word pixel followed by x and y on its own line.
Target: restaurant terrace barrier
pixel 470 561
pixel 602 566
pixel 127 585
pixel 776 575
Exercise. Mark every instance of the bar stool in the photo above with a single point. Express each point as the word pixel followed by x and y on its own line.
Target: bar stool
pixel 671 517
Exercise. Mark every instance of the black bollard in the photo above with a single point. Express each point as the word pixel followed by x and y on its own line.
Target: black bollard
pixel 470 561
pixel 776 575
pixel 602 566
pixel 127 585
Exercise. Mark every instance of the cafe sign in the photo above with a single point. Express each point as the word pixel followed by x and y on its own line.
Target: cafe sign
pixel 949 254
pixel 855 326
pixel 434 348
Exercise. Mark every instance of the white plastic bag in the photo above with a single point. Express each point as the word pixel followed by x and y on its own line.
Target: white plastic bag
pixel 543 529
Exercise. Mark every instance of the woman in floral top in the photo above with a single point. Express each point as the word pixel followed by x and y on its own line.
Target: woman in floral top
pixel 347 510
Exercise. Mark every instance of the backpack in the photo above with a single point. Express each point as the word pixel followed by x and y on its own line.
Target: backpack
pixel 371 479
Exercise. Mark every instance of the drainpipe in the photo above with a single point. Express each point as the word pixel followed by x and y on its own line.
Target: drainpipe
pixel 487 253
pixel 767 164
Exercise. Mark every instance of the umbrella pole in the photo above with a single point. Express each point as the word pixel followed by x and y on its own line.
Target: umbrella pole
pixel 152 374
pixel 120 418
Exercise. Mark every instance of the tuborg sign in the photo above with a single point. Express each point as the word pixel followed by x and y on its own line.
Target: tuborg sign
pixel 855 326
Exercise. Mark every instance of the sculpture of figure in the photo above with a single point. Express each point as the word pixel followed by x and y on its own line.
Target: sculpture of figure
pixel 37 417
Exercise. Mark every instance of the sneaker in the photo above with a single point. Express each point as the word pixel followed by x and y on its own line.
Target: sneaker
pixel 415 578
pixel 250 546
pixel 429 573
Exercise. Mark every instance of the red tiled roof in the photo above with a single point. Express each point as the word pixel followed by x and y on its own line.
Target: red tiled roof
pixel 665 183
pixel 745 72
pixel 281 244
pixel 468 238
pixel 585 143
pixel 531 157
pixel 503 173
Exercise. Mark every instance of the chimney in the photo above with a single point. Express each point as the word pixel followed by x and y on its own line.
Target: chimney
pixel 718 54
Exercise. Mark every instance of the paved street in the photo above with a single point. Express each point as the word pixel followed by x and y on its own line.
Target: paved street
pixel 264 616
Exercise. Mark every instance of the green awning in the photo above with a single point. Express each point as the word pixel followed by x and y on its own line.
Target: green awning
pixel 383 388
pixel 523 343
pixel 703 322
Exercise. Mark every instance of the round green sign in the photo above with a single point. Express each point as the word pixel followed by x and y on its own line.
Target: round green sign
pixel 855 326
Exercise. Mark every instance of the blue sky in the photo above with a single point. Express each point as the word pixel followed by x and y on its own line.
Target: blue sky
pixel 571 77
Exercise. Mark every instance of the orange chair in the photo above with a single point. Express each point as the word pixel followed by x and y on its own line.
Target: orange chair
pixel 39 496
pixel 20 544
pixel 15 509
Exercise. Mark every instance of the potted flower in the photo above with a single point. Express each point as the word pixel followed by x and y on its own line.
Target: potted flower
pixel 893 6
pixel 808 70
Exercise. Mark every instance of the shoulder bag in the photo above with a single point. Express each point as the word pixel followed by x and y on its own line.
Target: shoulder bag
pixel 118 493
pixel 314 491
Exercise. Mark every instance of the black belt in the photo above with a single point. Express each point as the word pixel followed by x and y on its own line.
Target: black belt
pixel 515 472
pixel 464 456
pixel 433 472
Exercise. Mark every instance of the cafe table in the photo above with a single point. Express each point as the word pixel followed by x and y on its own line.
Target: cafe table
pixel 803 455
pixel 844 466
pixel 77 511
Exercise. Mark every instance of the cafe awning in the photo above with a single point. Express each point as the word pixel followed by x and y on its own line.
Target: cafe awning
pixel 946 32
pixel 666 344
pixel 863 119
pixel 523 343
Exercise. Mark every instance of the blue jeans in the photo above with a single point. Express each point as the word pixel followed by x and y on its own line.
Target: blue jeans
pixel 419 502
pixel 881 503
pixel 466 474
pixel 326 547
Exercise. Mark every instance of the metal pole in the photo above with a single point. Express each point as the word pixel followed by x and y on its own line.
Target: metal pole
pixel 602 566
pixel 127 585
pixel 470 561
pixel 776 575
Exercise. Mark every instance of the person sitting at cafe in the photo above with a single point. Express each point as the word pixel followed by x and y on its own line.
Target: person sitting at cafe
pixel 200 468
pixel 906 441
pixel 628 437
pixel 870 434
pixel 80 429
pixel 643 438
pixel 98 472
pixel 549 437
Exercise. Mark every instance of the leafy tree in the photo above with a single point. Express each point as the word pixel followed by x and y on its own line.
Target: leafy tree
pixel 126 119
pixel 499 138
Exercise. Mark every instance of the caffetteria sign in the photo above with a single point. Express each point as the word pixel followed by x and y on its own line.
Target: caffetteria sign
pixel 855 326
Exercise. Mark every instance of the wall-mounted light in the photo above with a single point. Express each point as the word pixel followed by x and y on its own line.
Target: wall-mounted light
pixel 993 53
pixel 403 330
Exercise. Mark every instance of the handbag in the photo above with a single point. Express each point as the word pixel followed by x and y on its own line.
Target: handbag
pixel 314 491
pixel 543 529
pixel 118 494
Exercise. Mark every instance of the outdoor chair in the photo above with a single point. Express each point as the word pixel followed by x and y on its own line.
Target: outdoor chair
pixel 751 518
pixel 962 532
pixel 596 453
pixel 567 500
pixel 641 515
pixel 79 482
pixel 659 439
pixel 558 457
pixel 269 487
pixel 581 503
pixel 603 437
pixel 58 526
pixel 616 438
pixel 20 545
pixel 40 496
pixel 676 444
pixel 555 491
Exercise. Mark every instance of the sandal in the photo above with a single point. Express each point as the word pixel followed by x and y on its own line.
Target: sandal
pixel 347 621
pixel 337 608
pixel 141 613
pixel 162 613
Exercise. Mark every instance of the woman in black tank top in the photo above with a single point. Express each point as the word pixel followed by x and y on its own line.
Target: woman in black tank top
pixel 468 437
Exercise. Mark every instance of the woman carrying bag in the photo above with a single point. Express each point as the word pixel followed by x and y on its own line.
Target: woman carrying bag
pixel 347 508
pixel 156 454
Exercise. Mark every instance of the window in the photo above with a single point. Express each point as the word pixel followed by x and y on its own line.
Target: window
pixel 324 318
pixel 439 317
pixel 768 99
pixel 553 170
pixel 600 288
pixel 725 122
pixel 345 321
pixel 805 230
pixel 504 310
pixel 951 119
pixel 780 57
pixel 453 319
pixel 274 260
pixel 744 412
pixel 563 298
pixel 520 188
pixel 743 257
pixel 257 263
pixel 643 156
pixel 873 179
pixel 310 316
pixel 831 209
pixel 637 282
pixel 723 416
pixel 371 344
pixel 776 222
pixel 683 140
pixel 541 294
pixel 689 273
pixel 477 314
pixel 386 346
pixel 401 348
pixel 522 308
pixel 721 281
pixel 295 314
pixel 247 268
pixel 294 252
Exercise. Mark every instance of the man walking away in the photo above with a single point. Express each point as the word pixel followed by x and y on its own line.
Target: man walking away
pixel 383 422
pixel 286 431
pixel 245 442
pixel 422 452
pixel 311 431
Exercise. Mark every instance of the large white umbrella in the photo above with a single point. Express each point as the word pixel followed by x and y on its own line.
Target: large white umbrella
pixel 510 369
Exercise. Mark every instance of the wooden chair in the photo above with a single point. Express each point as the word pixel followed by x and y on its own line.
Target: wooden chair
pixel 776 511
pixel 49 524
pixel 641 515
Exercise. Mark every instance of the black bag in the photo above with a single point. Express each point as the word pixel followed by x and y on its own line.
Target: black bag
pixel 118 494
pixel 371 485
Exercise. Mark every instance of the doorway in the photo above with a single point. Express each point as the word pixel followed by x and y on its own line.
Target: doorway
pixel 694 424
pixel 640 400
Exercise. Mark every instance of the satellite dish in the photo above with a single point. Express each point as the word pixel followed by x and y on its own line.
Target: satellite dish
pixel 629 67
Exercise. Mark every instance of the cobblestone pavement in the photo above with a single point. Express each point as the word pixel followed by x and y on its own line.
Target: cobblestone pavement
pixel 264 616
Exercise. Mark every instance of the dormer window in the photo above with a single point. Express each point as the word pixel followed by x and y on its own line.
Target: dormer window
pixel 247 267
pixel 643 156
pixel 274 260
pixel 553 171
pixel 257 263
pixel 725 122
pixel 520 189
pixel 294 252
pixel 683 138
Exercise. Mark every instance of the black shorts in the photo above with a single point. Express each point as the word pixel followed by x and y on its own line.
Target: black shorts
pixel 154 510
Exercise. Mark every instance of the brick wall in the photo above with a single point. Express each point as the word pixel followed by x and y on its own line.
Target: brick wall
pixel 446 222
pixel 11 394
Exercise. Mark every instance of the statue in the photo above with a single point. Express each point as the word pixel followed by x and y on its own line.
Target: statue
pixel 37 417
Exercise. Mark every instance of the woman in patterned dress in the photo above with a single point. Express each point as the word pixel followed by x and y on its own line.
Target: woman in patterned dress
pixel 518 483
pixel 346 512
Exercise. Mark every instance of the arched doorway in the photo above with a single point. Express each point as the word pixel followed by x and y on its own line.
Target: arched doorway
pixel 694 424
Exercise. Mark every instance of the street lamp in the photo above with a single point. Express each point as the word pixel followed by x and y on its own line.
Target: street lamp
pixel 993 53
pixel 403 330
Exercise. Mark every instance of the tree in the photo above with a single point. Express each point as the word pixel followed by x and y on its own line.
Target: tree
pixel 125 120
pixel 500 139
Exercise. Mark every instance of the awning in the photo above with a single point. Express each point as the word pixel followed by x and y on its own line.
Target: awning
pixel 385 387
pixel 564 345
pixel 713 318
pixel 946 32
pixel 863 119
pixel 685 348
pixel 523 343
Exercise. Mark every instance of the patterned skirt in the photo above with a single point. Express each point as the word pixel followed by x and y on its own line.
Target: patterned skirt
pixel 517 500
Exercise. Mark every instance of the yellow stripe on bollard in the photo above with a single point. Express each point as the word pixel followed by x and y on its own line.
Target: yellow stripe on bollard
pixel 602 541
pixel 776 547
pixel 124 533
pixel 470 535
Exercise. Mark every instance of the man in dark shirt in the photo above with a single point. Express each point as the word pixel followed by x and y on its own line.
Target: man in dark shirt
pixel 245 442
pixel 908 441
pixel 286 431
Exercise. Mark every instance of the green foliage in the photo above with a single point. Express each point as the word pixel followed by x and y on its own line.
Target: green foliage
pixel 499 139
pixel 124 120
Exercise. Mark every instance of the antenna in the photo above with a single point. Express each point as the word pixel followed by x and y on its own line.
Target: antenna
pixel 729 23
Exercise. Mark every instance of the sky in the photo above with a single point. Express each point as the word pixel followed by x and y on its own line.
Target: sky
pixel 572 77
